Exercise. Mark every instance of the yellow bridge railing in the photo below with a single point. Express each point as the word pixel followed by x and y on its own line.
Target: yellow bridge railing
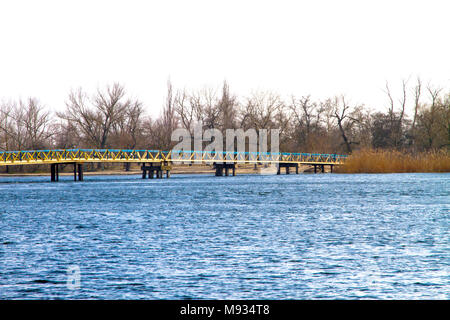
pixel 149 156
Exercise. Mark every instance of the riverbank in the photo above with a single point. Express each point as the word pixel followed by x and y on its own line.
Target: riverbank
pixel 135 170
pixel 382 161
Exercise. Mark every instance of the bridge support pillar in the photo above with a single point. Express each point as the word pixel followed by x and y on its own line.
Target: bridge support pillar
pixel 80 172
pixel 331 168
pixel 54 172
pixel 154 170
pixel 219 170
pixel 77 172
pixel 221 167
pixel 315 168
pixel 322 168
pixel 287 167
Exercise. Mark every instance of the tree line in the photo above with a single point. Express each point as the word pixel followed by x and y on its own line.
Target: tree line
pixel 108 118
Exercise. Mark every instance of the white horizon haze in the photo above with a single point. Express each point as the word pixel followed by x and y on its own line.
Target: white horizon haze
pixel 317 48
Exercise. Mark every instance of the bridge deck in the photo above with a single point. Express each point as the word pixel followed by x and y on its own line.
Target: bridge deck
pixel 35 157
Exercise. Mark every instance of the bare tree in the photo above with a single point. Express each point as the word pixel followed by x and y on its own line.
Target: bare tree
pixel 227 108
pixel 25 125
pixel 16 130
pixel 210 111
pixel 95 116
pixel 6 109
pixel 417 94
pixel 161 130
pixel 304 113
pixel 445 121
pixel 428 118
pixel 345 120
pixel 37 123
pixel 186 108
pixel 397 117
pixel 128 128
pixel 66 136
pixel 260 110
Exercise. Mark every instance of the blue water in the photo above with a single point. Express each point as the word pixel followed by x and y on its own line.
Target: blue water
pixel 322 236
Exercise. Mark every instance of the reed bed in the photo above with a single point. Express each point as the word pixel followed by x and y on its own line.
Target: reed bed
pixel 391 161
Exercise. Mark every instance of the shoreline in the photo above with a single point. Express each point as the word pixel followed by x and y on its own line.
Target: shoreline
pixel 176 170
pixel 202 171
pixel 134 173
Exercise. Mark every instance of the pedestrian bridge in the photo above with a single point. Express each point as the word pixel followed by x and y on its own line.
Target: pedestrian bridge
pixel 157 161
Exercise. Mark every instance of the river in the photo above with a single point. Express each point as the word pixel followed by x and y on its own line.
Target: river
pixel 307 236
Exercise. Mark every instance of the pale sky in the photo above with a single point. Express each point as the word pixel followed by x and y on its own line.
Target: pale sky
pixel 322 48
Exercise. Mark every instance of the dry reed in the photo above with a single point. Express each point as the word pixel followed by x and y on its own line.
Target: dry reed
pixel 390 161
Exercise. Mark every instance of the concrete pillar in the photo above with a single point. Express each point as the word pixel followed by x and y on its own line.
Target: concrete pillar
pixel 144 172
pixel 219 170
pixel 80 172
pixel 52 172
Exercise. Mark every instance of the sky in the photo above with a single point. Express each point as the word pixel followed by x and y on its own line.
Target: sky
pixel 321 48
